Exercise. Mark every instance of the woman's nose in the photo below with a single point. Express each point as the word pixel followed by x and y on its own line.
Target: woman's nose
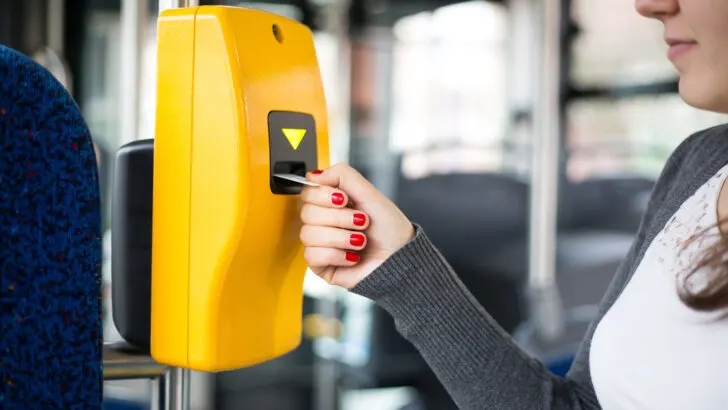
pixel 657 9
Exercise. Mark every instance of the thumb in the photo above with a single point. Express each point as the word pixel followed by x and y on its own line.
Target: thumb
pixel 342 176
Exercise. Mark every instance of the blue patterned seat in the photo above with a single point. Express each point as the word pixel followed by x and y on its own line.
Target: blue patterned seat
pixel 50 245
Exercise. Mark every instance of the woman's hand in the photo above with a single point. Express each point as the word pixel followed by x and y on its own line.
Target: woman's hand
pixel 349 227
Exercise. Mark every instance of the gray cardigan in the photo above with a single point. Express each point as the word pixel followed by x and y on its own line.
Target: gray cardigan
pixel 478 363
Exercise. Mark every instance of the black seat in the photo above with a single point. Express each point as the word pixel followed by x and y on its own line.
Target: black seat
pixel 613 203
pixel 586 261
pixel 463 213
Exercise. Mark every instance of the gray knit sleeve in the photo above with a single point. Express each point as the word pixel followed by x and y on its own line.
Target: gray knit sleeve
pixel 474 358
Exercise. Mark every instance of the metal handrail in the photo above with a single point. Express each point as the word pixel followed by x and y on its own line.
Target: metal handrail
pixel 171 388
pixel 122 362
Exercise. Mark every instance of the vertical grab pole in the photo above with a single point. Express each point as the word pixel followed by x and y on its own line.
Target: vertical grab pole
pixel 334 16
pixel 133 34
pixel 177 380
pixel 546 306
pixel 177 4
pixel 177 394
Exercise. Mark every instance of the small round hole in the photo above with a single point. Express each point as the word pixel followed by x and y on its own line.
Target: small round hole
pixel 277 33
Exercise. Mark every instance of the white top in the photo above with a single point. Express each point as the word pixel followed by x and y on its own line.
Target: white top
pixel 650 351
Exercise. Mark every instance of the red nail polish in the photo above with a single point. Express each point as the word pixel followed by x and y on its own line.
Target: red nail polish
pixel 337 198
pixel 356 239
pixel 317 172
pixel 352 257
pixel 360 219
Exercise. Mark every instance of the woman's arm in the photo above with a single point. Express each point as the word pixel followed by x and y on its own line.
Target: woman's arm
pixel 474 358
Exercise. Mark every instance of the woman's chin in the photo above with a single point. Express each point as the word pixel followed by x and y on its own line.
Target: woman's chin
pixel 698 92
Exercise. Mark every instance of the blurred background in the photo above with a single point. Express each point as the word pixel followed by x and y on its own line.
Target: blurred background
pixel 433 101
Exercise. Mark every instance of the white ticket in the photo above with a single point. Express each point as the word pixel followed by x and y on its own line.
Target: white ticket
pixel 296 178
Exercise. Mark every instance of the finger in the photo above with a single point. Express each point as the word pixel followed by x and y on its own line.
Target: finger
pixel 324 196
pixel 326 237
pixel 347 179
pixel 343 218
pixel 320 258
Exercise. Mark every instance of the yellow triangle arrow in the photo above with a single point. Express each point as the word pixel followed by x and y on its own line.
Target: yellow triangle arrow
pixel 294 136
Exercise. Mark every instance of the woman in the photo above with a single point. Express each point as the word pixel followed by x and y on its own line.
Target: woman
pixel 661 339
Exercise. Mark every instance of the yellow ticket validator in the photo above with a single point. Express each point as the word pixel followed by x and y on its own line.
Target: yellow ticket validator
pixel 239 98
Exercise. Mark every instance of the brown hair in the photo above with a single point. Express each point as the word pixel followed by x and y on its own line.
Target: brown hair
pixel 713 296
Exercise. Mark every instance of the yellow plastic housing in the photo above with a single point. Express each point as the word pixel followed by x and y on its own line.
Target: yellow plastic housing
pixel 227 262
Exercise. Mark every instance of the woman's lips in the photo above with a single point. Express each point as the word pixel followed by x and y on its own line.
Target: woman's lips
pixel 678 48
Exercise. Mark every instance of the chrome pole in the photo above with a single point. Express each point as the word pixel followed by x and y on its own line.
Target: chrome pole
pixel 177 389
pixel 545 300
pixel 333 16
pixel 133 34
pixel 177 4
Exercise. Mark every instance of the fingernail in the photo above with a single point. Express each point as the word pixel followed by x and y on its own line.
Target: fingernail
pixel 337 198
pixel 356 239
pixel 317 172
pixel 352 257
pixel 360 219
